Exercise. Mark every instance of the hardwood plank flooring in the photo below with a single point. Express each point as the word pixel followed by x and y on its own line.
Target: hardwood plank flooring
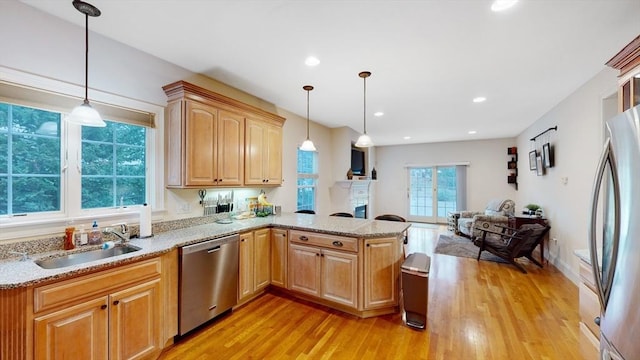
pixel 476 310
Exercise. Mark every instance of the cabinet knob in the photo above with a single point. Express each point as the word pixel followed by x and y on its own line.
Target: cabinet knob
pixel 102 307
pixel 303 238
pixel 337 243
pixel 597 320
pixel 368 245
pixel 116 302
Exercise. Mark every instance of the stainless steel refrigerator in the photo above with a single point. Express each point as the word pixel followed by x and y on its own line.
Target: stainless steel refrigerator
pixel 614 236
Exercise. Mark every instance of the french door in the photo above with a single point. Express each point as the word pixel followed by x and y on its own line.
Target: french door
pixel 432 193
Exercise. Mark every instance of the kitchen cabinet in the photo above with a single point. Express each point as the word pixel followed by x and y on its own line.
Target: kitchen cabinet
pixel 589 309
pixel 381 273
pixel 279 253
pixel 263 153
pixel 324 266
pixel 205 145
pixel 254 263
pixel 206 139
pixel 114 314
pixel 627 62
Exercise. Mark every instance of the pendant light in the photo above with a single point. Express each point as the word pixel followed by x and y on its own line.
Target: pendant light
pixel 84 114
pixel 307 145
pixel 364 140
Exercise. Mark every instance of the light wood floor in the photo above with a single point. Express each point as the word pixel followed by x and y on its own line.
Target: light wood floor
pixel 476 310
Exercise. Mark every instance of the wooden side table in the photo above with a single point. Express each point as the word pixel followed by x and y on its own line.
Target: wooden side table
pixel 519 220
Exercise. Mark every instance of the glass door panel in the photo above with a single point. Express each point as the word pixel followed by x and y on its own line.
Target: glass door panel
pixel 432 193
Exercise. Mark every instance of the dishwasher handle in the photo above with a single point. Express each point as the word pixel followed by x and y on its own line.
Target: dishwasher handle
pixel 214 249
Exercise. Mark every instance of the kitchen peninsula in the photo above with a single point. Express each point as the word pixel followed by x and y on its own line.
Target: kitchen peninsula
pixel 348 264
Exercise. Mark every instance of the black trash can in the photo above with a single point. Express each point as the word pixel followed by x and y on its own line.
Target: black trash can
pixel 415 289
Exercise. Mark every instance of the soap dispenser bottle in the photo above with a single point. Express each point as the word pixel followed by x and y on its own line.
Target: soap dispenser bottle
pixel 95 237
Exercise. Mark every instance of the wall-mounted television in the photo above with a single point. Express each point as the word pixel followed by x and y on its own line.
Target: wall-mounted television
pixel 357 162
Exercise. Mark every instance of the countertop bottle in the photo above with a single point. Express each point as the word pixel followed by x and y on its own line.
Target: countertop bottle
pixel 95 237
pixel 82 237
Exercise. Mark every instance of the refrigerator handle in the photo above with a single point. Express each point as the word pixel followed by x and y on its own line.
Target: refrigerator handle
pixel 606 157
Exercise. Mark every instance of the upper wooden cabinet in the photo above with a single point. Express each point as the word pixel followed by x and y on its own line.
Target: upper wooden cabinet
pixel 263 150
pixel 206 137
pixel 627 61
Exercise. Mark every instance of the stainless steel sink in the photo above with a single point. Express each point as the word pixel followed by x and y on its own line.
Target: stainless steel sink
pixel 83 257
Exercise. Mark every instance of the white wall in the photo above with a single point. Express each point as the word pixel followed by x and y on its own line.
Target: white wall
pixel 577 144
pixel 486 174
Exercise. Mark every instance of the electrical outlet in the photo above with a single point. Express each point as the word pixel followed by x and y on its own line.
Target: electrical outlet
pixel 555 241
pixel 184 208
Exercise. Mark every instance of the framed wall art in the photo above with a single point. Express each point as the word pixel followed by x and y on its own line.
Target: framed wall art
pixel 547 155
pixel 532 160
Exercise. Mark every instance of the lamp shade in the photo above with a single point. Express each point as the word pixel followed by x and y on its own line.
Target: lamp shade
pixel 307 145
pixel 85 115
pixel 364 141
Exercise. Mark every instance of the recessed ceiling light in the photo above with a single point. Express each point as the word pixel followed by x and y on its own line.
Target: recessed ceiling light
pixel 407 137
pixel 479 99
pixel 378 113
pixel 501 5
pixel 471 132
pixel 312 61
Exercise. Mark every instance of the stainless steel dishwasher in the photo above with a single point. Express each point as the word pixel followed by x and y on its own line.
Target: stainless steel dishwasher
pixel 208 281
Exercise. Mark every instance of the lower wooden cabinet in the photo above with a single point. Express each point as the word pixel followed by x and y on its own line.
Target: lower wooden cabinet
pixel 279 254
pixel 589 310
pixel 254 262
pixel 326 274
pixel 77 332
pixel 112 314
pixel 381 273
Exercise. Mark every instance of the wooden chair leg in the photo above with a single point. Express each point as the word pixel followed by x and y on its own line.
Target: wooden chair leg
pixel 533 260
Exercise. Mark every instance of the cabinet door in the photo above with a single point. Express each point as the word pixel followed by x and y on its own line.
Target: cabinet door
pixel 273 157
pixel 245 288
pixel 304 269
pixel 230 148
pixel 381 272
pixel 199 144
pixel 135 331
pixel 254 152
pixel 78 332
pixel 340 277
pixel 262 259
pixel 279 257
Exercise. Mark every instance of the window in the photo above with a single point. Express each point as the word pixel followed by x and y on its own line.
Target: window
pixel 113 165
pixel 30 177
pixel 307 178
pixel 35 163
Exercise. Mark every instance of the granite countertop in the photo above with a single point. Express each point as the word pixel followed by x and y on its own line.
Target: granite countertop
pixel 15 273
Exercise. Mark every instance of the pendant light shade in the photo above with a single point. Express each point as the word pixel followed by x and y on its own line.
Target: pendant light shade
pixel 307 145
pixel 364 140
pixel 84 114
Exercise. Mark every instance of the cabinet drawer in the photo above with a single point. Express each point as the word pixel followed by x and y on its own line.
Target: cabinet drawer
pixel 76 289
pixel 589 344
pixel 589 308
pixel 324 240
pixel 586 275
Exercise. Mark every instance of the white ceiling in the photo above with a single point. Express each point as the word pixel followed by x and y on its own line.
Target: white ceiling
pixel 428 58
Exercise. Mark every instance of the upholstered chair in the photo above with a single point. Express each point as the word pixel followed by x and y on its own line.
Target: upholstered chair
pixel 497 212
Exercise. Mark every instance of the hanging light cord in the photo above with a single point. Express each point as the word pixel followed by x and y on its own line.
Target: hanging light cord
pixel 86 58
pixel 364 115
pixel 307 114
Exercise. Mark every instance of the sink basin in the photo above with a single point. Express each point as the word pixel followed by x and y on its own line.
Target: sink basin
pixel 83 257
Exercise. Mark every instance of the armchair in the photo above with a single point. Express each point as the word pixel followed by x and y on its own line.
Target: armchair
pixel 494 218
pixel 511 244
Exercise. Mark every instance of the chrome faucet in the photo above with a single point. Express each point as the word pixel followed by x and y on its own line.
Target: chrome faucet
pixel 123 233
pixel 24 255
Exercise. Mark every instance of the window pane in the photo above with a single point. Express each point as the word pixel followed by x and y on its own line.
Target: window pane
pixel 30 164
pixel 306 182
pixel 114 165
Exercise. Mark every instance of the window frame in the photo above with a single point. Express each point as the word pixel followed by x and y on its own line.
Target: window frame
pixel 314 175
pixel 71 214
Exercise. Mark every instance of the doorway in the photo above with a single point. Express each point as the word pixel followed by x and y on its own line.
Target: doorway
pixel 432 192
